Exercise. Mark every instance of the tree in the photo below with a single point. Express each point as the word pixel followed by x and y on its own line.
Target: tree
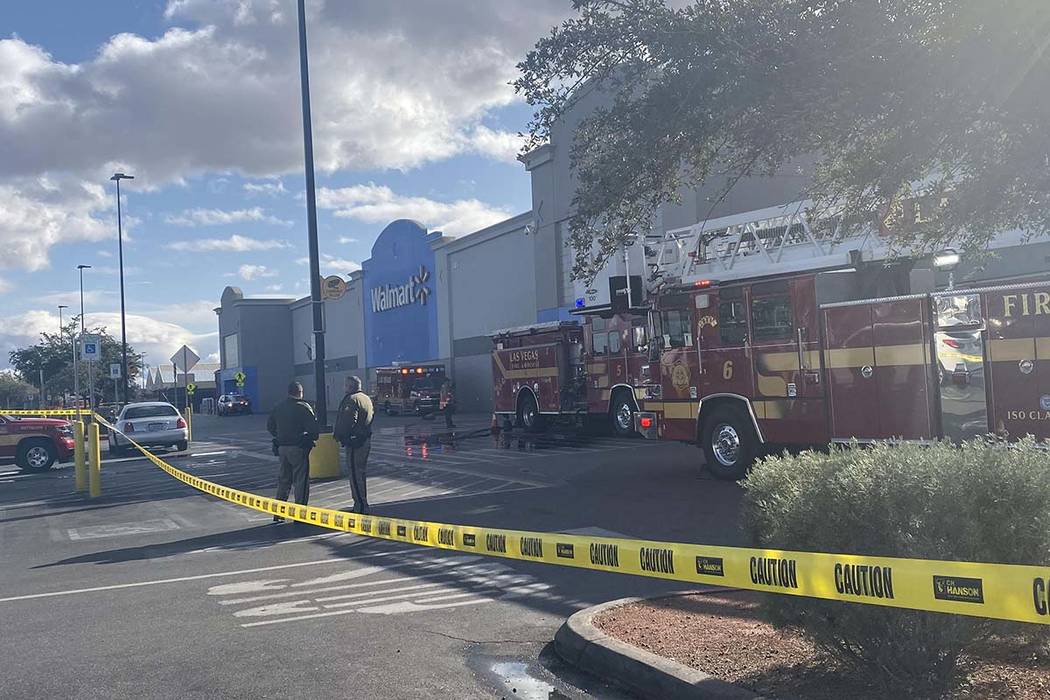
pixel 14 393
pixel 54 355
pixel 946 101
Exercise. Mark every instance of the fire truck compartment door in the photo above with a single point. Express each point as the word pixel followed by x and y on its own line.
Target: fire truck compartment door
pixel 959 344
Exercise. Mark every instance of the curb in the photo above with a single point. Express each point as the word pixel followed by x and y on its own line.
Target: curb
pixel 580 643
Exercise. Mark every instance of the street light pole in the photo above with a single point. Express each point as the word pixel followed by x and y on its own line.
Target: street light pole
pixel 117 177
pixel 91 371
pixel 61 332
pixel 311 225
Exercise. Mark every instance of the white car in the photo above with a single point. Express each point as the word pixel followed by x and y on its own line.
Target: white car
pixel 150 424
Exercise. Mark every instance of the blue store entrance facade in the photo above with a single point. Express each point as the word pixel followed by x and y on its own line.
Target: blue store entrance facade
pixel 400 304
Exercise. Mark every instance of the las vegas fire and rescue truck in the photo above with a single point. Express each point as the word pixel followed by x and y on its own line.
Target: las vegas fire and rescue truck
pixel 768 328
pixel 403 389
pixel 571 369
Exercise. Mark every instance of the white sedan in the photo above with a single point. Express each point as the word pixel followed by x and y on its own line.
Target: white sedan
pixel 150 424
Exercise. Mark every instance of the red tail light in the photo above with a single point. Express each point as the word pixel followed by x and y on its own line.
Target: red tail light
pixel 951 342
pixel 645 422
pixel 129 428
pixel 180 423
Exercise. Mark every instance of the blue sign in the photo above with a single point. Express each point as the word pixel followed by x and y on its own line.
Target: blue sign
pixel 400 304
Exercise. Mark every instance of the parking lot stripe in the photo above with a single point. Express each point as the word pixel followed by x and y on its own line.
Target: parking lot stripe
pixel 200 577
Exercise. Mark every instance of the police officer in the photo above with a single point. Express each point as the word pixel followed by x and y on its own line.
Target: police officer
pixel 353 430
pixel 294 428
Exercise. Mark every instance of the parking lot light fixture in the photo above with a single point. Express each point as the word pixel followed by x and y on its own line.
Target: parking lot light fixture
pixel 117 177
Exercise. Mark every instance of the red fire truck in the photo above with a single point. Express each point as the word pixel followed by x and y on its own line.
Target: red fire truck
pixel 405 389
pixel 854 351
pixel 572 370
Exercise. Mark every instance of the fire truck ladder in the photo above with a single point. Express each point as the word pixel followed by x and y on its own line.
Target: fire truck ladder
pixel 762 242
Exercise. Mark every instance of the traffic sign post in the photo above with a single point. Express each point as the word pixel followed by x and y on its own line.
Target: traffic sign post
pixel 185 359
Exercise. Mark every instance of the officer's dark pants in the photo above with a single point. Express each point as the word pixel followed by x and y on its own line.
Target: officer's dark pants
pixel 357 458
pixel 295 471
pixel 450 410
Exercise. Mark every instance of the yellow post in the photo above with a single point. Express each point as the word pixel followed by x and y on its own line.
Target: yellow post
pixel 79 463
pixel 94 462
pixel 324 457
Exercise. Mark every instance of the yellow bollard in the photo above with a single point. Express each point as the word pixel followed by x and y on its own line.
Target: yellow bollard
pixel 79 462
pixel 324 457
pixel 94 462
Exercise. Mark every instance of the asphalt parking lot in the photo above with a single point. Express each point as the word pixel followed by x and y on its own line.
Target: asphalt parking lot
pixel 159 587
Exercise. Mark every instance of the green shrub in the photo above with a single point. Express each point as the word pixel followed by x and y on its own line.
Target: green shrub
pixel 979 502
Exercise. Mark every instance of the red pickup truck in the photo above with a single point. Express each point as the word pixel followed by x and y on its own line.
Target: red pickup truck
pixel 35 443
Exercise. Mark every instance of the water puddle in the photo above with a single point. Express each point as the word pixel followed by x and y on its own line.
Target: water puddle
pixel 516 682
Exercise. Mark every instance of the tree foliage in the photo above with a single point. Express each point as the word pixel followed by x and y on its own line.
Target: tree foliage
pixel 54 355
pixel 945 99
pixel 14 393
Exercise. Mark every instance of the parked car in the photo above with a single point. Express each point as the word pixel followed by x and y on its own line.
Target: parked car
pixel 36 443
pixel 230 404
pixel 150 424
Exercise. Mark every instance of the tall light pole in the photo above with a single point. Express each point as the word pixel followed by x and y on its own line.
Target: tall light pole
pixel 311 225
pixel 117 177
pixel 61 329
pixel 91 371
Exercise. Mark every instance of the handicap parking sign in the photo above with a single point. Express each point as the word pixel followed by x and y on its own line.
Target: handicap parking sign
pixel 90 348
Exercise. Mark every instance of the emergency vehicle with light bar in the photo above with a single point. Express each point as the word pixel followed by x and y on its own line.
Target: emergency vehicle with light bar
pixel 403 389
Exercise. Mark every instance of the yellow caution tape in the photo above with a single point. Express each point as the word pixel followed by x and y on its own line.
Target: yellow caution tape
pixel 47 412
pixel 997 591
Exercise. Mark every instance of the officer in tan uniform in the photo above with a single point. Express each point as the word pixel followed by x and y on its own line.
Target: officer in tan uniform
pixel 353 430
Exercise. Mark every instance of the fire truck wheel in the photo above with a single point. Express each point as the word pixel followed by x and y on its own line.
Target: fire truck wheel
pixel 622 415
pixel 36 455
pixel 529 413
pixel 729 444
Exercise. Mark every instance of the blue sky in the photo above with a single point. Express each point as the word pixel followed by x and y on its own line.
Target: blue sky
pixel 198 99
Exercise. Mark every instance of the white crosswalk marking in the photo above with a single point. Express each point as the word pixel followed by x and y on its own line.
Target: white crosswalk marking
pixel 421 583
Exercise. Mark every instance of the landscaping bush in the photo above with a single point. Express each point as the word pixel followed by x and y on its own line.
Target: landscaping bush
pixel 982 501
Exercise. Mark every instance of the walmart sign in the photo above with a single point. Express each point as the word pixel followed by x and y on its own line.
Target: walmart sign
pixel 395 296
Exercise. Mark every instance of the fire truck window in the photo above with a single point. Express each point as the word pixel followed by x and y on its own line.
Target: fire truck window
pixel 676 329
pixel 771 318
pixel 614 342
pixel 732 323
pixel 639 338
pixel 599 343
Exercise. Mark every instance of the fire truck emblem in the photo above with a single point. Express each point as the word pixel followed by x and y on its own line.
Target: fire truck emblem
pixel 680 377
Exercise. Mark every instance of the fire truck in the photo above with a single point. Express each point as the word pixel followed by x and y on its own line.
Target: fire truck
pixel 571 370
pixel 771 329
pixel 403 389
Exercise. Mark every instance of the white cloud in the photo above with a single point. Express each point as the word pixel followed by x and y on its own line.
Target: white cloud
pixel 376 204
pixel 103 254
pixel 395 84
pixel 500 145
pixel 252 272
pixel 218 217
pixel 4 285
pixel 235 243
pixel 331 265
pixel 271 189
pixel 147 334
pixel 347 239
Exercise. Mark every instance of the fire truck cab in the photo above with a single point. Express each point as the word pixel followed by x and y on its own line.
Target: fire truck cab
pixel 576 370
pixel 403 389
pixel 857 352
